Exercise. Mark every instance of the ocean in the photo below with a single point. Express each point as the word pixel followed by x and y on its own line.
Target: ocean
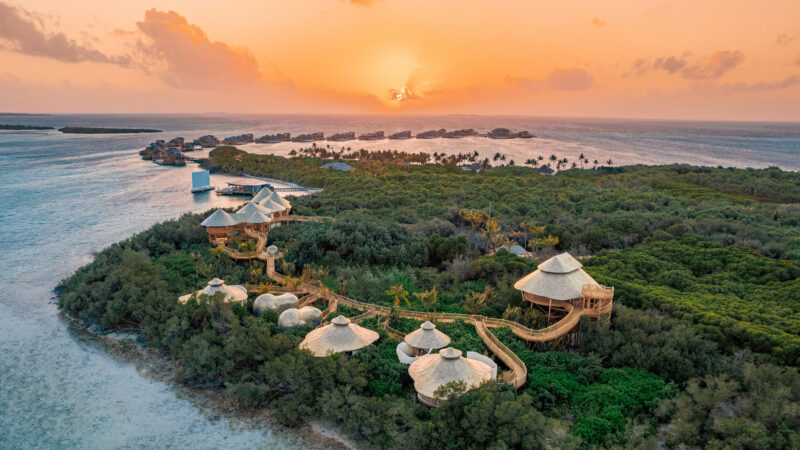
pixel 65 197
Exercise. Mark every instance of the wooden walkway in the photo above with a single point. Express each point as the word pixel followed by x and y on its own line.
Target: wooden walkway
pixel 517 373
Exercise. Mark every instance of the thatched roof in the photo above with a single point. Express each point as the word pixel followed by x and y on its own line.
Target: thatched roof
pixel 252 213
pixel 427 337
pixel 219 219
pixel 430 372
pixel 233 293
pixel 558 278
pixel 338 336
pixel 273 196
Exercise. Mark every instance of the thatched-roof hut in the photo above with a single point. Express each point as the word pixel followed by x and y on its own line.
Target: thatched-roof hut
pixel 234 293
pixel 430 372
pixel 560 281
pixel 340 336
pixel 426 338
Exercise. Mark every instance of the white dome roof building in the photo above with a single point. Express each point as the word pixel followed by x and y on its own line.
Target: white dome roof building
pixel 234 293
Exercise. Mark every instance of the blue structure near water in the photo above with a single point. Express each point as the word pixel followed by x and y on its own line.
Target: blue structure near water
pixel 201 181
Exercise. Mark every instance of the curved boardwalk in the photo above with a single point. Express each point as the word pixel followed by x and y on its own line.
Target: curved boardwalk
pixel 517 373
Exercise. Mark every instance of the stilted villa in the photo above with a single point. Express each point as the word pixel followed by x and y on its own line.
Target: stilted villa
pixel 560 285
pixel 340 336
pixel 234 293
pixel 430 372
pixel 265 209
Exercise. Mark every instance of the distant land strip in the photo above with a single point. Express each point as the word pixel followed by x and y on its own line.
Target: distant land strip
pixel 23 127
pixel 90 130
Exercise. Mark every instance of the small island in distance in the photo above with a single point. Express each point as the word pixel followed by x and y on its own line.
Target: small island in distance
pixel 93 130
pixel 23 127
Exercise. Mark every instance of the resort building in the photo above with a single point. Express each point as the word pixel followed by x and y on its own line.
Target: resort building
pixel 560 284
pixel 234 293
pixel 339 336
pixel 425 339
pixel 259 215
pixel 430 372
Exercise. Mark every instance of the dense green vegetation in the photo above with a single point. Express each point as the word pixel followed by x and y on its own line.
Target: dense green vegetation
pixel 96 130
pixel 23 127
pixel 700 351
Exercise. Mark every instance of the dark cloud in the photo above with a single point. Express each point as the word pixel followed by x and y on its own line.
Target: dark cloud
pixel 598 21
pixel 19 30
pixel 573 79
pixel 183 55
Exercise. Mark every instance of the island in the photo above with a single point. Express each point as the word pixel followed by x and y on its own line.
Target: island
pixel 410 303
pixel 23 127
pixel 95 130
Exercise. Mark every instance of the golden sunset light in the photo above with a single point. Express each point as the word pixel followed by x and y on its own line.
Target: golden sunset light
pixel 647 59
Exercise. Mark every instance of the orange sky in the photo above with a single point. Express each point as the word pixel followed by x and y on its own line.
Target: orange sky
pixel 731 60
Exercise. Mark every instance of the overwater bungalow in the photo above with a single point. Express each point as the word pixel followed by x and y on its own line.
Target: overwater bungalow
pixel 303 138
pixel 238 140
pixel 268 139
pixel 560 284
pixel 431 134
pixel 500 133
pixel 400 135
pixel 430 372
pixel 340 336
pixel 208 141
pixel 340 137
pixel 372 136
pixel 233 293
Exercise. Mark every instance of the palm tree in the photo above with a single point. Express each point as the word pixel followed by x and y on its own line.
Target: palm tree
pixel 477 300
pixel 399 293
pixel 428 298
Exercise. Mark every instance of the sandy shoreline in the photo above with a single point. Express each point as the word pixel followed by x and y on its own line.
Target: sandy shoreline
pixel 153 364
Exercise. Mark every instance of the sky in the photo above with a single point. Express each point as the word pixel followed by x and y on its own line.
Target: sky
pixel 681 59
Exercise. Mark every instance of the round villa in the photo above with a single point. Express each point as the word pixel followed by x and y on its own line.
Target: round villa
pixel 560 285
pixel 425 339
pixel 430 372
pixel 339 336
pixel 234 293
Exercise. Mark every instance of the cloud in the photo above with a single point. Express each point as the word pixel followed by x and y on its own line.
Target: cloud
pixel 523 83
pixel 762 86
pixel 19 29
pixel 787 38
pixel 670 64
pixel 569 79
pixel 183 55
pixel 715 66
pixel 598 21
